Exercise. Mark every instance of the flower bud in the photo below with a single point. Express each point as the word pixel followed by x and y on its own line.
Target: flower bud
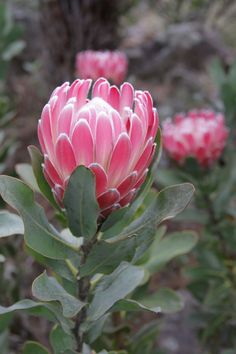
pixel 95 64
pixel 112 134
pixel 198 134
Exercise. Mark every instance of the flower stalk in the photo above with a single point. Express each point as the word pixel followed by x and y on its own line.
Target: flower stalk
pixel 83 292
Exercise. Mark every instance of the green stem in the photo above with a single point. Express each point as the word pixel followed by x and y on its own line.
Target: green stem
pixel 83 292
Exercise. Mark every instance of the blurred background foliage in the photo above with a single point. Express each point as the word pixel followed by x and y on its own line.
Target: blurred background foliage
pixel 183 52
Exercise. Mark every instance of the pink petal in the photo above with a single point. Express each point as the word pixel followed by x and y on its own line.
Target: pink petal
pixel 153 129
pixel 93 120
pixel 136 134
pixel 104 90
pixel 117 124
pixel 127 96
pixel 128 198
pixel 96 86
pixel 143 160
pixel 180 148
pixel 64 120
pixel 51 171
pixel 127 183
pixel 207 138
pixel 60 102
pixel 139 110
pixel 114 98
pixel 60 90
pixel 120 158
pixel 101 177
pixel 58 192
pixel 104 141
pixel 141 179
pixel 149 105
pixel 152 154
pixel 48 179
pixel 46 129
pixel 41 138
pixel 74 88
pixel 200 153
pixel 84 113
pixel 65 156
pixel 82 92
pixel 82 143
pixel 107 199
pixel 108 211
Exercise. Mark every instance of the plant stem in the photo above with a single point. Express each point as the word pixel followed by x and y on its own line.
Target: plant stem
pixel 83 292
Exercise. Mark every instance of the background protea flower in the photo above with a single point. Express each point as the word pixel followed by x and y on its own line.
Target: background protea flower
pixel 199 134
pixel 111 65
pixel 112 134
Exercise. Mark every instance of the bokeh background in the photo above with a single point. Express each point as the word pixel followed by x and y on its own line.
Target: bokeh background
pixel 175 49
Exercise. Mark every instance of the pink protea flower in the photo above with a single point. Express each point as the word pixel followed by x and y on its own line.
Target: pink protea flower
pixel 199 134
pixel 112 134
pixel 95 64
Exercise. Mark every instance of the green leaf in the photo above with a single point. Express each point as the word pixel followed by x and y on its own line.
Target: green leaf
pixel 63 268
pixel 37 161
pixel 39 234
pixel 4 342
pixel 52 311
pixel 47 288
pixel 167 204
pixel 113 288
pixel 144 340
pixel 10 224
pixel 159 234
pixel 25 171
pixel 20 305
pixel 158 152
pixel 61 341
pixel 31 347
pixel 105 257
pixel 165 299
pixel 129 305
pixel 115 217
pixel 81 204
pixel 95 330
pixel 118 220
pixel 173 245
pixel 113 352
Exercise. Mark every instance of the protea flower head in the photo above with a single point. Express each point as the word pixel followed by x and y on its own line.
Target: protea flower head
pixel 112 134
pixel 111 65
pixel 199 134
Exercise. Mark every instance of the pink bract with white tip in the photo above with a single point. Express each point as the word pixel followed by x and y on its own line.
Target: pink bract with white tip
pixel 112 134
pixel 199 134
pixel 111 65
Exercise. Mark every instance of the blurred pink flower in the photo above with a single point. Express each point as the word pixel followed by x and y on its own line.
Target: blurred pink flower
pixel 198 134
pixel 95 64
pixel 112 133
